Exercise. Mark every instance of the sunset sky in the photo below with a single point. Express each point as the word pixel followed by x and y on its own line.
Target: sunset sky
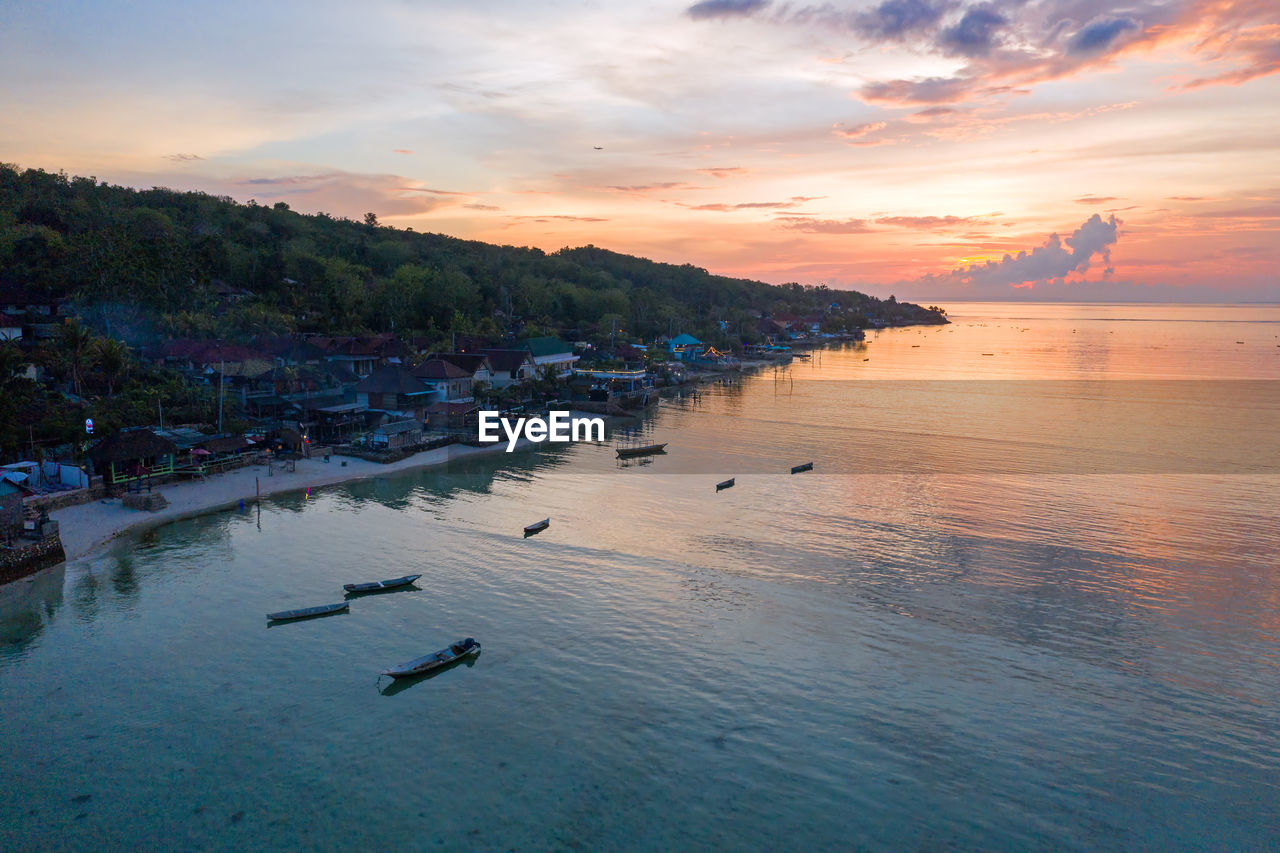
pixel 906 146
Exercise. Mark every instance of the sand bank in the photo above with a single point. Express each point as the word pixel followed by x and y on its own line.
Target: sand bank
pixel 87 526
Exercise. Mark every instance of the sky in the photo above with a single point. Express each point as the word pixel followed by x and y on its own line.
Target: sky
pixel 933 149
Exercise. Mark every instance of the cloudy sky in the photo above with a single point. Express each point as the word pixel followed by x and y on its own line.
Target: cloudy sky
pixel 931 148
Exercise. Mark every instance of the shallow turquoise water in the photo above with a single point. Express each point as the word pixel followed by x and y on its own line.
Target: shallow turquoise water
pixel 823 661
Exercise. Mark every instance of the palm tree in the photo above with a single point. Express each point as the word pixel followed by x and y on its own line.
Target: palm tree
pixel 113 360
pixel 76 342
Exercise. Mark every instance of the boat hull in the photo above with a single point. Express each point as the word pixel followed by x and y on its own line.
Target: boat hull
pixel 308 612
pixel 431 663
pixel 800 469
pixel 727 484
pixel 378 586
pixel 647 450
pixel 534 529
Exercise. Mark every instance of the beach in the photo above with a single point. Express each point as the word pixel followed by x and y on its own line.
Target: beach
pixel 87 526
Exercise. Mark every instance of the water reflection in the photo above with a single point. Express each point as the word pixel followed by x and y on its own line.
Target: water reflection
pixel 400 685
pixel 28 605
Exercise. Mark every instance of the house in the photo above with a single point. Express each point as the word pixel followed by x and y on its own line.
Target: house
pixel 395 435
pixel 29 302
pixel 394 390
pixel 449 381
pixel 684 347
pixel 133 454
pixel 11 520
pixel 35 313
pixel 552 352
pixel 362 355
pixel 473 362
pixel 207 360
pixel 228 294
pixel 337 423
pixel 455 415
pixel 510 366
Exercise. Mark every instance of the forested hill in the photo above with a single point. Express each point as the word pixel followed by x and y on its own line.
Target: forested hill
pixel 148 264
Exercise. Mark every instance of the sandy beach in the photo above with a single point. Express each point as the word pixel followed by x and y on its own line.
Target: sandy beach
pixel 86 526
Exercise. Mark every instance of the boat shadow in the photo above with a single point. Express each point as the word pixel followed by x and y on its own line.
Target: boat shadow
pixel 371 592
pixel 280 623
pixel 399 685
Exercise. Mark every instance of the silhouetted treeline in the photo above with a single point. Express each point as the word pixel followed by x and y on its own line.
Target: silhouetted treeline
pixel 149 264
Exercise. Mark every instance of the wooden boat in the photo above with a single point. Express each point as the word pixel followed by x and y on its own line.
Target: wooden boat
pixel 800 469
pixel 533 529
pixel 308 612
pixel 646 450
pixel 435 660
pixel 727 484
pixel 375 586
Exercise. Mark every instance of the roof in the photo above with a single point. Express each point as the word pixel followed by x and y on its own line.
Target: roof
pixel 221 288
pixel 183 437
pixel 438 368
pixel 227 444
pixel 684 340
pixel 17 294
pixel 397 427
pixel 212 352
pixel 250 368
pixel 131 444
pixel 545 346
pixel 385 345
pixel 453 408
pixel 391 379
pixel 343 408
pixel 7 488
pixel 468 361
pixel 508 359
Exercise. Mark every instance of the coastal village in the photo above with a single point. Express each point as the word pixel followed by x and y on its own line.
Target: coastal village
pixel 166 351
pixel 378 398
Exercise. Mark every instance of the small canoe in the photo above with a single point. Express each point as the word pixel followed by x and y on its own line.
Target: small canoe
pixel 800 469
pixel 375 586
pixel 647 450
pixel 533 529
pixel 427 663
pixel 308 612
pixel 727 484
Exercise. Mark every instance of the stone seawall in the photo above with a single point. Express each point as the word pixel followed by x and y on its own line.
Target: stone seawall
pixel 58 500
pixel 29 558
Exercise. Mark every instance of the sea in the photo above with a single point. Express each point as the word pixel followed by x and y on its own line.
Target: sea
pixel 1027 598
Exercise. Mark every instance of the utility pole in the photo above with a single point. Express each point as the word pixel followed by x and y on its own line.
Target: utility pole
pixel 220 381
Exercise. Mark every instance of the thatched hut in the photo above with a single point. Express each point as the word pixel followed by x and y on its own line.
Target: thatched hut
pixel 133 454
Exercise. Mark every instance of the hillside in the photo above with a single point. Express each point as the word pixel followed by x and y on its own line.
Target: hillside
pixel 151 264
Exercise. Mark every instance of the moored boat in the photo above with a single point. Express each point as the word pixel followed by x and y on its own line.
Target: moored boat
pixel 797 469
pixel 428 663
pixel 308 612
pixel 727 484
pixel 376 586
pixel 538 527
pixel 646 450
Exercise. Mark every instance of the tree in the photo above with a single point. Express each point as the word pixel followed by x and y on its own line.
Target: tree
pixel 76 342
pixel 371 219
pixel 113 361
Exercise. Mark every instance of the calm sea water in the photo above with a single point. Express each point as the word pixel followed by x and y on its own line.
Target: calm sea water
pixel 1032 658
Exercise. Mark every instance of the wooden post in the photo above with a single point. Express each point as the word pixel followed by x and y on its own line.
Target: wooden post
pixel 257 489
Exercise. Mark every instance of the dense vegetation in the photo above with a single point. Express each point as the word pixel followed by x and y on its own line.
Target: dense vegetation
pixel 144 260
pixel 142 266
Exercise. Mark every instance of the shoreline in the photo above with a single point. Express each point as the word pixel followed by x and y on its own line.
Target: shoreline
pixel 89 527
